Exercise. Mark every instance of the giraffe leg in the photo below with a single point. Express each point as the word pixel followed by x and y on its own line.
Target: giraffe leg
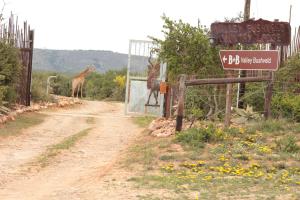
pixel 149 96
pixel 77 90
pixel 73 88
pixel 81 88
pixel 156 96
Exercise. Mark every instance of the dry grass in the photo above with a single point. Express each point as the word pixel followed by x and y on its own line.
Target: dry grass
pixel 22 122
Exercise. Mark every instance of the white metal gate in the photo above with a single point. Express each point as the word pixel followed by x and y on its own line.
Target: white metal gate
pixel 136 85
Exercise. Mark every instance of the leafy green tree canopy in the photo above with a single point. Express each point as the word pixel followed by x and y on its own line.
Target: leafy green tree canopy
pixel 187 50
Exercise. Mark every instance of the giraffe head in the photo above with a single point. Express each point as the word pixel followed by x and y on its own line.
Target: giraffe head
pixel 91 68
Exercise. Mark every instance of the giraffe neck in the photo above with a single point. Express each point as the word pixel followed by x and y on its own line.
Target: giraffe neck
pixel 83 74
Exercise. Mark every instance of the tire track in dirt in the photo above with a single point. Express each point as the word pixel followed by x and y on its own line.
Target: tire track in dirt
pixel 76 173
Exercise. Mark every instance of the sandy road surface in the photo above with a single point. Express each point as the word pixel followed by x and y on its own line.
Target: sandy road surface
pixel 76 173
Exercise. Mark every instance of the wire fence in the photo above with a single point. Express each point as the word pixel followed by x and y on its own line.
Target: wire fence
pixel 211 99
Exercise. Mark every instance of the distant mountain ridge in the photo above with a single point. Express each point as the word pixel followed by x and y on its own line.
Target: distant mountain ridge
pixel 73 61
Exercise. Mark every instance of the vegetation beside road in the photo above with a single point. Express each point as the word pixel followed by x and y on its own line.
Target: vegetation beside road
pixel 26 120
pixel 107 86
pixel 260 160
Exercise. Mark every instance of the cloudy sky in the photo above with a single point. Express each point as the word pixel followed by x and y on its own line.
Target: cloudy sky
pixel 109 24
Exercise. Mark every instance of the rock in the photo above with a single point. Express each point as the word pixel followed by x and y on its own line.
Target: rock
pixel 162 127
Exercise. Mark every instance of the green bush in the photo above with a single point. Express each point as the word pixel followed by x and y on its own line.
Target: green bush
pixel 10 69
pixel 62 85
pixel 105 86
pixel 196 137
pixel 288 144
pixel 191 138
pixel 39 85
pixel 287 106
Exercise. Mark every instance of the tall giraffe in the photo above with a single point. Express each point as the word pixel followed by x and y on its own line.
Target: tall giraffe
pixel 78 80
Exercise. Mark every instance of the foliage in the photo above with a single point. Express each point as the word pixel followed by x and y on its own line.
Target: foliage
pixel 62 85
pixel 255 96
pixel 287 74
pixel 10 69
pixel 38 86
pixel 286 105
pixel 22 122
pixel 143 121
pixel 195 137
pixel 272 126
pixel 288 144
pixel 186 49
pixel 244 115
pixel 110 85
pixel 224 168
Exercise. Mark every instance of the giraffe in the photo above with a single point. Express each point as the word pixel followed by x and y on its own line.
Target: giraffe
pixel 78 80
pixel 152 82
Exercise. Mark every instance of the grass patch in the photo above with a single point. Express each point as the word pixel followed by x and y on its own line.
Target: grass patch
pixel 90 120
pixel 288 144
pixel 240 162
pixel 275 126
pixel 26 120
pixel 65 144
pixel 143 121
pixel 167 157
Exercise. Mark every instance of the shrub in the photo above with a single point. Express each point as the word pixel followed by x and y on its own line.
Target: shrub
pixel 287 106
pixel 10 68
pixel 288 144
pixel 62 85
pixel 38 86
pixel 195 137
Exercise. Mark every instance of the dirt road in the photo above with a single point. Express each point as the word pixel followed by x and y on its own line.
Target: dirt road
pixel 76 173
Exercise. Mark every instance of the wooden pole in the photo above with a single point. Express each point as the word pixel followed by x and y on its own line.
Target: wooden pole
pixel 180 109
pixel 29 75
pixel 269 92
pixel 242 86
pixel 226 80
pixel 168 102
pixel 228 102
pixel 247 10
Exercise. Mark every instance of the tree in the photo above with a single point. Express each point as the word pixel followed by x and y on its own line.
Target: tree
pixel 186 50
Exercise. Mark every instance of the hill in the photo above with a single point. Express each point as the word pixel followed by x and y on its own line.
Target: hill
pixel 73 61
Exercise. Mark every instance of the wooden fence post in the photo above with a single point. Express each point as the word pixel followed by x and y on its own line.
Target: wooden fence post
pixel 228 102
pixel 168 101
pixel 268 96
pixel 29 69
pixel 181 96
pixel 269 92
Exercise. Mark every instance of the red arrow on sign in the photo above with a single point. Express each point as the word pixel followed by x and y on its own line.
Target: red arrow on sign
pixel 250 60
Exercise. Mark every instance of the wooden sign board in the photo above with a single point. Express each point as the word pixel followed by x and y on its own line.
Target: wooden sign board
pixel 250 60
pixel 251 32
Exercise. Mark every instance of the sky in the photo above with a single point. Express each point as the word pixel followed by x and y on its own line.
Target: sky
pixel 110 24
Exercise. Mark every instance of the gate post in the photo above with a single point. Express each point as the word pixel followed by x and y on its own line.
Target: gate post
pixel 181 96
pixel 29 72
